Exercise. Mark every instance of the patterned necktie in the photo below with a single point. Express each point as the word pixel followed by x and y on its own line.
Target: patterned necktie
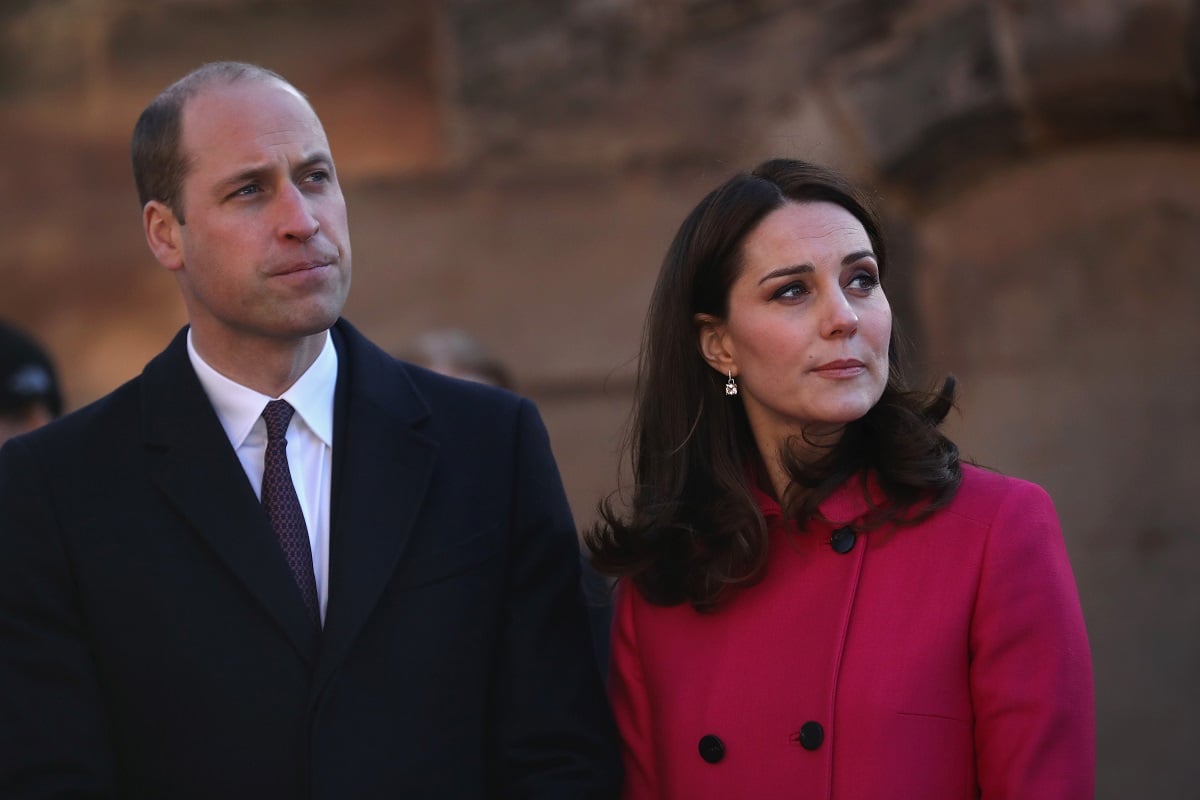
pixel 283 507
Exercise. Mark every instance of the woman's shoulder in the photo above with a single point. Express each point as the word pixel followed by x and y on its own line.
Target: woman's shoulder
pixel 985 494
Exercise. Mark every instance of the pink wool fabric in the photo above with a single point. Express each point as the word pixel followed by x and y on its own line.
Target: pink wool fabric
pixel 940 661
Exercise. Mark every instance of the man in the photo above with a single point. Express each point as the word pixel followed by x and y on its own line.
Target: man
pixel 400 615
pixel 29 394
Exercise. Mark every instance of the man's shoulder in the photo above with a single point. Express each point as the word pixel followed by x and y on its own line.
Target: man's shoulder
pixel 118 418
pixel 449 410
pixel 110 415
pixel 461 390
pixel 441 393
pixel 459 406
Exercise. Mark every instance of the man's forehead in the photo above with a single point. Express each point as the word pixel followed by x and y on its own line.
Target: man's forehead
pixel 243 120
pixel 244 98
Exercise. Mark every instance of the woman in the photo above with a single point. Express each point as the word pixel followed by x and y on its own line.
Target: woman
pixel 817 598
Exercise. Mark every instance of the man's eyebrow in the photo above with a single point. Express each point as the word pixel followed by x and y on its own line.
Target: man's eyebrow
pixel 318 159
pixel 258 172
pixel 248 175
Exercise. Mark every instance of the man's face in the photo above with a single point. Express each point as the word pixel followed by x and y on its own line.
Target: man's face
pixel 265 251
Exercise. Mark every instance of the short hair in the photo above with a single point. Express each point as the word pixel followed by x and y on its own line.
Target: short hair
pixel 693 529
pixel 159 163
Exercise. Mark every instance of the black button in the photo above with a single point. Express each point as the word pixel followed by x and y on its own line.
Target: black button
pixel 811 735
pixel 712 749
pixel 843 540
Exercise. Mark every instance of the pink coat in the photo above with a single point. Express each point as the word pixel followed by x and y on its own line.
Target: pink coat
pixel 944 660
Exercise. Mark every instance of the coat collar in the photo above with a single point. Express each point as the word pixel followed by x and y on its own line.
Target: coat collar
pixel 195 467
pixel 382 465
pixel 849 503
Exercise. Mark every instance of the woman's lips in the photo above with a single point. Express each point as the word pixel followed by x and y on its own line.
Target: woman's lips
pixel 842 368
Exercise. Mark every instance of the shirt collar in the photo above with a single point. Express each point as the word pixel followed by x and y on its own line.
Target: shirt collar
pixel 239 407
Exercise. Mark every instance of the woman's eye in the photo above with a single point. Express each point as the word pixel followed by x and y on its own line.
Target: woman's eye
pixel 792 290
pixel 864 281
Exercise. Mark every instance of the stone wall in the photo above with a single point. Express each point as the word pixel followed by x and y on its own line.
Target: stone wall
pixel 517 170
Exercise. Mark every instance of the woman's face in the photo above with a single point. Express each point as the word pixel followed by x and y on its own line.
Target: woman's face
pixel 808 324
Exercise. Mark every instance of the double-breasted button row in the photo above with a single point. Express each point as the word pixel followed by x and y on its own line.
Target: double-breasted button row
pixel 810 736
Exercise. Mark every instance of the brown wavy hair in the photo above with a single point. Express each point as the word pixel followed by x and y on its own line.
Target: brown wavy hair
pixel 693 530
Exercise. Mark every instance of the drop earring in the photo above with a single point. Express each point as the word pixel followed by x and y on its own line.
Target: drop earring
pixel 730 385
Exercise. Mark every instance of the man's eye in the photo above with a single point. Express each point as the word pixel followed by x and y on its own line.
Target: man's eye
pixel 248 189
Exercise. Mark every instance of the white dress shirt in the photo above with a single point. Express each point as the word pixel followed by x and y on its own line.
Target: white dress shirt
pixel 309 440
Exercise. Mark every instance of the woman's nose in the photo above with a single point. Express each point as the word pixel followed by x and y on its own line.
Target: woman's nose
pixel 839 317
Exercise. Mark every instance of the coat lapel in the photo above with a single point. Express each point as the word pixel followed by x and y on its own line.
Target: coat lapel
pixel 196 468
pixel 382 469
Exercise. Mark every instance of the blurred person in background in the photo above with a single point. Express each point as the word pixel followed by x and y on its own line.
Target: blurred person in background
pixel 29 392
pixel 281 563
pixel 816 597
pixel 454 352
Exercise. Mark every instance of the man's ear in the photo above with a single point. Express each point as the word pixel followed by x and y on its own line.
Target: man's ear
pixel 713 341
pixel 162 234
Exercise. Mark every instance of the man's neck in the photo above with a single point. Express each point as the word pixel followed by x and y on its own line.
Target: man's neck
pixel 268 366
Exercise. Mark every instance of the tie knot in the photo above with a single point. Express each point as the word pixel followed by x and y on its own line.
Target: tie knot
pixel 278 414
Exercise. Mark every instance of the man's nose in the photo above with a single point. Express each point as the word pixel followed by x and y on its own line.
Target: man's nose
pixel 296 219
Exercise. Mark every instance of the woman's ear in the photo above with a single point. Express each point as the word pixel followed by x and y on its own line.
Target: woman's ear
pixel 713 341
pixel 162 234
